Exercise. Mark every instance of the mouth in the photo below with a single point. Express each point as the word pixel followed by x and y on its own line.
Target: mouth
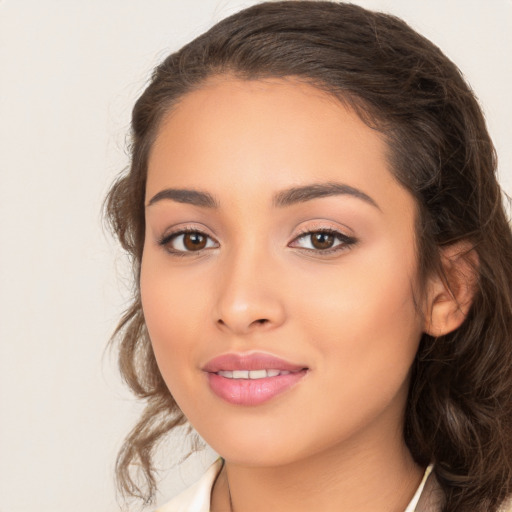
pixel 252 374
pixel 252 379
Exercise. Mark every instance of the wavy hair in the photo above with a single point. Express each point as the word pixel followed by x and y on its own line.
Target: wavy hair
pixel 459 410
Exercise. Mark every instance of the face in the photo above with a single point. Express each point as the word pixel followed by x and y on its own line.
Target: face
pixel 279 271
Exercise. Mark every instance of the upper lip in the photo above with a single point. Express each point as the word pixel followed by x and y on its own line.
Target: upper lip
pixel 252 361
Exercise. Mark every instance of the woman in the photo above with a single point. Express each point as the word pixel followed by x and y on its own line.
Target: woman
pixel 323 269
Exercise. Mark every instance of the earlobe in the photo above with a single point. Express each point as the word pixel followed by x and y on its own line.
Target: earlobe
pixel 450 295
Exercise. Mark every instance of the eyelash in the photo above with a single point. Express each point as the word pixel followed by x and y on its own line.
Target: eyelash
pixel 166 240
pixel 345 241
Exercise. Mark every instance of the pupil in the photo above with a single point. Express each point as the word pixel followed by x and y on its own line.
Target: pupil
pixel 323 240
pixel 194 241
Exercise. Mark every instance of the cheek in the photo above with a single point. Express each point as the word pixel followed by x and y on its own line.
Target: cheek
pixel 364 320
pixel 371 287
pixel 171 311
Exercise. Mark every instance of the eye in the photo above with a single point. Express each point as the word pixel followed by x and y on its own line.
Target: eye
pixel 324 240
pixel 187 241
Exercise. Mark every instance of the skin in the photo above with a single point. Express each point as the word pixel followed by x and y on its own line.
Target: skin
pixel 334 440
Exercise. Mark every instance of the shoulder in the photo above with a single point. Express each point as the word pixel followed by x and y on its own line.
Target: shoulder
pixel 196 498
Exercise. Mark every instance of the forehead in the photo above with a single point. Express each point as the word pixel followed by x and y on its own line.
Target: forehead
pixel 235 135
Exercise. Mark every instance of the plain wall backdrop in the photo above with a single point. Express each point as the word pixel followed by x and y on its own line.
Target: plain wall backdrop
pixel 70 72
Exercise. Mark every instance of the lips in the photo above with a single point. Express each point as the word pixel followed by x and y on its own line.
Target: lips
pixel 251 379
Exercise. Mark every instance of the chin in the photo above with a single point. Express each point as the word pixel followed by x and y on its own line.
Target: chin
pixel 262 445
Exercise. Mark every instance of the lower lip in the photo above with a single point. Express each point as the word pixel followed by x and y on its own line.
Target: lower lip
pixel 252 391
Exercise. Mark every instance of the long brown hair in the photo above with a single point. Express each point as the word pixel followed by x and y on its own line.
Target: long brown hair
pixel 459 412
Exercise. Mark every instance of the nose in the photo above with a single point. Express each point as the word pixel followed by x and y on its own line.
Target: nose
pixel 249 295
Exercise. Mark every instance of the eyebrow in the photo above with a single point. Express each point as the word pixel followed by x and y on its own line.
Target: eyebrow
pixel 180 195
pixel 282 199
pixel 307 193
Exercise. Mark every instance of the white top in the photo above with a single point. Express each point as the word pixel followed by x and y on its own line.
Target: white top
pixel 197 497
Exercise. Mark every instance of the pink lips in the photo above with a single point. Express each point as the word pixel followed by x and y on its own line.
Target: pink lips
pixel 240 379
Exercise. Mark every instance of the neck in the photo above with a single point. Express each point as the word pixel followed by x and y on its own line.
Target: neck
pixel 381 477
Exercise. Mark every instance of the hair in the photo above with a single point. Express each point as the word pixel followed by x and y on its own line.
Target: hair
pixel 459 410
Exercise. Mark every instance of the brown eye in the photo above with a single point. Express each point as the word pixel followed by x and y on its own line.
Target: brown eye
pixel 194 241
pixel 322 240
pixel 187 241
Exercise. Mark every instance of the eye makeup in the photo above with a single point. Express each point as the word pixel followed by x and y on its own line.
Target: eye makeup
pixel 187 241
pixel 324 241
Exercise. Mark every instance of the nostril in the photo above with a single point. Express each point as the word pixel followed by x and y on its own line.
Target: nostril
pixel 243 324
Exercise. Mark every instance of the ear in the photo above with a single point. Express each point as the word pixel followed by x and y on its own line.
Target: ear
pixel 450 295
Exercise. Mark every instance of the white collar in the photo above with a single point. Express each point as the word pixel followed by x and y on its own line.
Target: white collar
pixel 414 502
pixel 197 497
